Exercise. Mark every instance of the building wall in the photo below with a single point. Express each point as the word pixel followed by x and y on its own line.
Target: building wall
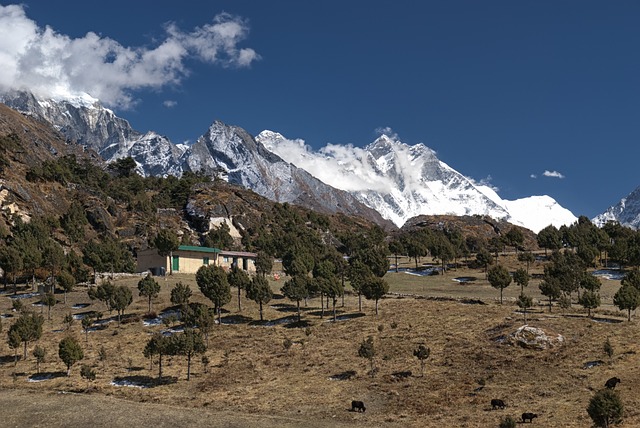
pixel 191 261
pixel 244 262
pixel 150 259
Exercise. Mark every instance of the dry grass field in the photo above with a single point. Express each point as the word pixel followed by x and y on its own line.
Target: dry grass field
pixel 254 380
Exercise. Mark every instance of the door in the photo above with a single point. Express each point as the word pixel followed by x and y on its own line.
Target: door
pixel 176 264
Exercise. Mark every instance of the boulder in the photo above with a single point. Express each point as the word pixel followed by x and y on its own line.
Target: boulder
pixel 535 338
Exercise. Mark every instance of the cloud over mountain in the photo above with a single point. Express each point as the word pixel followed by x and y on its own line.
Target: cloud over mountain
pixel 55 65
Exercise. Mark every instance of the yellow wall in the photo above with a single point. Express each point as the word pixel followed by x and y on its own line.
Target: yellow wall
pixel 191 261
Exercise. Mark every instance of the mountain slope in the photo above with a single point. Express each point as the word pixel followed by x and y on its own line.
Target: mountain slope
pixel 86 122
pixel 402 181
pixel 387 181
pixel 626 212
pixel 233 154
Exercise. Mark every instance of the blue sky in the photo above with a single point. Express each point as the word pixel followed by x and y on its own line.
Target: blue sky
pixel 504 90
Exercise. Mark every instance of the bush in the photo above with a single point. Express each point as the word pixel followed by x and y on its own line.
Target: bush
pixel 508 422
pixel 605 408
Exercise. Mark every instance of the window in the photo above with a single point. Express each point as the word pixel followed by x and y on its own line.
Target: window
pixel 226 259
pixel 205 260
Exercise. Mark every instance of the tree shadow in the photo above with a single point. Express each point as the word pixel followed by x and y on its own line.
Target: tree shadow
pixel 236 319
pixel 8 359
pixel 141 381
pixel 298 324
pixel 272 323
pixel 43 376
pixel 345 375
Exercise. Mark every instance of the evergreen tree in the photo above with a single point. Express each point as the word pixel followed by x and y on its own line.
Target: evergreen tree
pixel 49 300
pixel 213 283
pixel 149 288
pixel 484 259
pixel 260 292
pixel 359 275
pixel 86 372
pixel 374 289
pixel 219 237
pixel 263 263
pixel 166 241
pixel 521 277
pixel 526 257
pixel 39 354
pixel 188 344
pixel 239 279
pixel 70 352
pixel 200 316
pixel 158 345
pixel 514 238
pixel 499 278
pixel 296 289
pixel 67 282
pixel 180 294
pixel 525 302
pixel 367 350
pixel 606 408
pixel 11 263
pixel 550 238
pixel 122 298
pixel 627 297
pixel 104 293
pixel 589 300
pixel 551 289
pixel 396 248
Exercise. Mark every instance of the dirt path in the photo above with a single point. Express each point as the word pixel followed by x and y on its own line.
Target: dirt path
pixel 44 409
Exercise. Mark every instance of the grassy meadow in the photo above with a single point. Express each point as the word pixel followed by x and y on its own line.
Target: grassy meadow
pixel 278 374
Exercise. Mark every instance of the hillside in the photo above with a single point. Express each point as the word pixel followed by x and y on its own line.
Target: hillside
pixel 44 175
pixel 254 379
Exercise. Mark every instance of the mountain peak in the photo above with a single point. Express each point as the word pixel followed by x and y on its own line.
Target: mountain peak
pixel 626 212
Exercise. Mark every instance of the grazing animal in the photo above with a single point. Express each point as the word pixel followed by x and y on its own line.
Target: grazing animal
pixel 611 383
pixel 357 406
pixel 528 416
pixel 496 403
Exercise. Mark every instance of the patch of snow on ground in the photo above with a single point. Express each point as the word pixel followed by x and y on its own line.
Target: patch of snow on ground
pixel 174 330
pixel 40 377
pixel 158 320
pixel 24 296
pixel 80 305
pixel 127 383
pixel 613 274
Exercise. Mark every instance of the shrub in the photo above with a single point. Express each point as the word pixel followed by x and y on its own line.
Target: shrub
pixel 508 422
pixel 605 408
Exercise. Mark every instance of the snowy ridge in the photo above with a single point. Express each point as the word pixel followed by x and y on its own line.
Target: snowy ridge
pixel 387 179
pixel 626 212
pixel 401 181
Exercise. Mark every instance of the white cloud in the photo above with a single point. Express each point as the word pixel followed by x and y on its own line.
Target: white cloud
pixel 386 130
pixel 54 65
pixel 533 176
pixel 487 183
pixel 170 103
pixel 552 174
pixel 342 166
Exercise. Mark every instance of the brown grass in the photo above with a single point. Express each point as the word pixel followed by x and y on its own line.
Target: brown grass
pixel 254 381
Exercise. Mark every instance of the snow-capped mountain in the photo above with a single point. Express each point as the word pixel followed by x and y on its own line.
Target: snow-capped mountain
pixel 86 122
pixel 626 212
pixel 224 151
pixel 231 153
pixel 401 181
pixel 385 180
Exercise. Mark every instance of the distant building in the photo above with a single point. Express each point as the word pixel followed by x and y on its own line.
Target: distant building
pixel 188 259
